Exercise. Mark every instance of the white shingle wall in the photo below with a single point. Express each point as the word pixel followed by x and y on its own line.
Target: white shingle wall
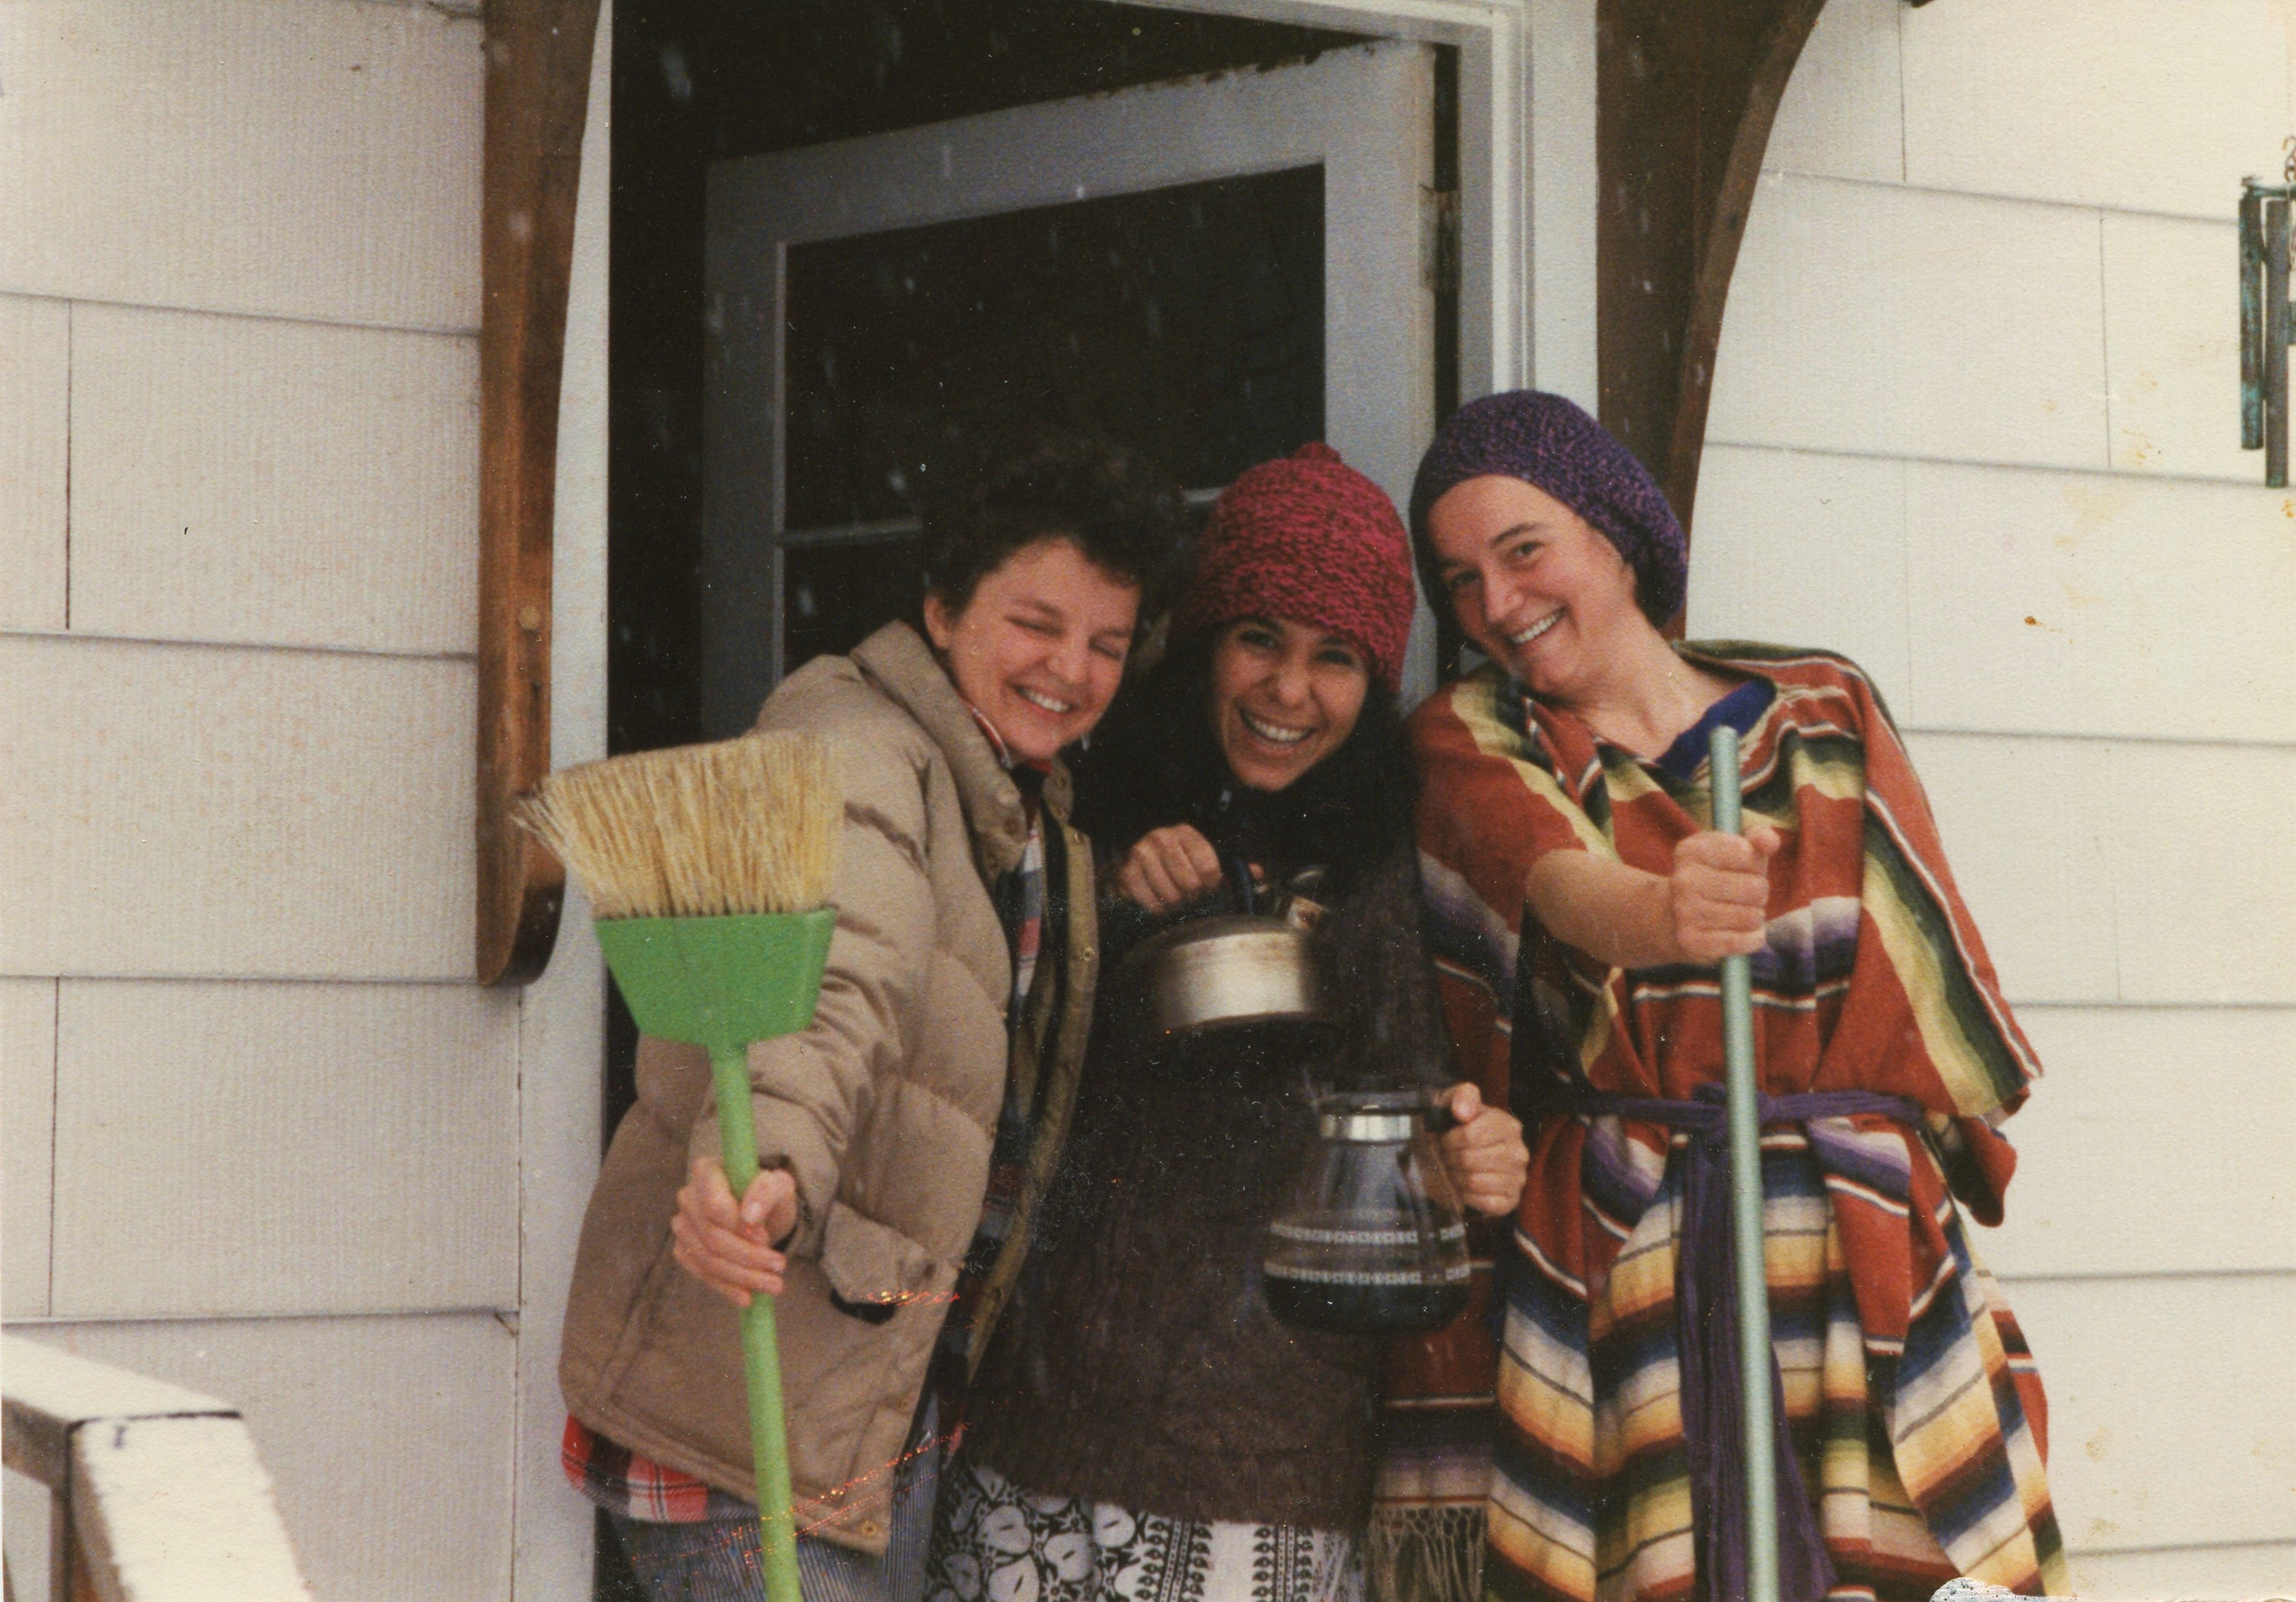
pixel 383 1119
pixel 2173 346
pixel 2074 1207
pixel 1913 323
pixel 227 812
pixel 273 482
pixel 271 157
pixel 27 1084
pixel 2044 601
pixel 2141 105
pixel 260 1132
pixel 35 375
pixel 1976 424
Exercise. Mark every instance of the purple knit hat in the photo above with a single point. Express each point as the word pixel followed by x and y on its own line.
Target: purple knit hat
pixel 1550 444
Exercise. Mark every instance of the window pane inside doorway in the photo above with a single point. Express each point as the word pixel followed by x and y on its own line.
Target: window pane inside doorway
pixel 838 595
pixel 1188 321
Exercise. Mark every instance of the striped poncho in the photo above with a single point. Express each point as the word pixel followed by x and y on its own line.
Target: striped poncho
pixel 1914 1418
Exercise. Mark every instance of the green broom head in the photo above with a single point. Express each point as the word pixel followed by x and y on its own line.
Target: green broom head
pixel 707 868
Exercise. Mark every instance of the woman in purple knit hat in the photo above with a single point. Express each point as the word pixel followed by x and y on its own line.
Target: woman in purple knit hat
pixel 1579 901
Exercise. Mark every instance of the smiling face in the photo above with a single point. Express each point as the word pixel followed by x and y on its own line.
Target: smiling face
pixel 1286 695
pixel 1535 586
pixel 1040 647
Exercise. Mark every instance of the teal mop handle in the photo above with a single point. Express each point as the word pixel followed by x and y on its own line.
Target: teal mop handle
pixel 1762 1501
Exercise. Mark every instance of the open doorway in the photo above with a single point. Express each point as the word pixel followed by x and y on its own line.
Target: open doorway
pixel 1216 270
pixel 697 85
pixel 762 488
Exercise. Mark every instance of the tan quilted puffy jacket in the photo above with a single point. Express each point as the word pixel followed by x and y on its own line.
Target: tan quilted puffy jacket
pixel 884 1111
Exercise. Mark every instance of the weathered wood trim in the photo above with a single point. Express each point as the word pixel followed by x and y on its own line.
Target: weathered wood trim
pixel 1718 246
pixel 1687 94
pixel 538 87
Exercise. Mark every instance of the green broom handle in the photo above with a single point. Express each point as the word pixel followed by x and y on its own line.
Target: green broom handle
pixel 762 1355
pixel 1759 1429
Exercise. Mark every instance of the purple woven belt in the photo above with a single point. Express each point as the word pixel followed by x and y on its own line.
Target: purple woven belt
pixel 1706 1331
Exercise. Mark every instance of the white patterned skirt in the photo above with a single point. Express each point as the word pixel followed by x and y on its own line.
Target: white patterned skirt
pixel 993 1541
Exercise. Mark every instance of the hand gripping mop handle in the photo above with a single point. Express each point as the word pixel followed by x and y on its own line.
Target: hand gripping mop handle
pixel 1746 1220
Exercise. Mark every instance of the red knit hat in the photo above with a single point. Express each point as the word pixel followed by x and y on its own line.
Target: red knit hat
pixel 1307 537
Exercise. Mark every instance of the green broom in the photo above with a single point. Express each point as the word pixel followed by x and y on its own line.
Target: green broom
pixel 706 867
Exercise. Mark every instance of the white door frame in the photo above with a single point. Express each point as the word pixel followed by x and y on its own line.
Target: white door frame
pixel 561 1044
pixel 1529 195
pixel 1527 186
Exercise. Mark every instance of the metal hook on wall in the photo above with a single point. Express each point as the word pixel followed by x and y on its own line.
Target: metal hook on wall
pixel 2265 323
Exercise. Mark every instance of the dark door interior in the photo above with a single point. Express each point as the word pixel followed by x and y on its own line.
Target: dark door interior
pixel 1211 307
pixel 1188 321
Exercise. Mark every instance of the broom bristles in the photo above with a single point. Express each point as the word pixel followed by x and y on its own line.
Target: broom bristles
pixel 696 831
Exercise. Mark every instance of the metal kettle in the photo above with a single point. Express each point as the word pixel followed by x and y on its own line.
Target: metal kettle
pixel 1228 969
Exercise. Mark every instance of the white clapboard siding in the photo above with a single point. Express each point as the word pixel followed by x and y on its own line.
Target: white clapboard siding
pixel 27 1079
pixel 2151 105
pixel 34 392
pixel 561 1014
pixel 1801 549
pixel 185 811
pixel 1869 318
pixel 267 156
pixel 2131 1091
pixel 2101 773
pixel 2263 1569
pixel 1841 116
pixel 244 478
pixel 24 1525
pixel 2172 347
pixel 2204 877
pixel 2031 850
pixel 2140 871
pixel 323 1148
pixel 389 1438
pixel 2099 604
pixel 2169 1419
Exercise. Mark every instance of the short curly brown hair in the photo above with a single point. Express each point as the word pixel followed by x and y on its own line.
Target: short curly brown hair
pixel 1127 518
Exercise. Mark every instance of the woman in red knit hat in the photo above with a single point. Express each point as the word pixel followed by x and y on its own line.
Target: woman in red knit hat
pixel 1140 1426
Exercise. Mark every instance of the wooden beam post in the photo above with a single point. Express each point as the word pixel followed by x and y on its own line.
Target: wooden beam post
pixel 537 96
pixel 1686 91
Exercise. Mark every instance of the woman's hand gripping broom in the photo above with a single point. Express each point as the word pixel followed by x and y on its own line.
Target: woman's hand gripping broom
pixel 707 866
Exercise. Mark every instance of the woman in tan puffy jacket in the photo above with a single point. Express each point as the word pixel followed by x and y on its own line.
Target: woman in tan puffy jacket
pixel 940 1068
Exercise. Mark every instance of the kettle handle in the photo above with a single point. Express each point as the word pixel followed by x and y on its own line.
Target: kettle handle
pixel 1241 872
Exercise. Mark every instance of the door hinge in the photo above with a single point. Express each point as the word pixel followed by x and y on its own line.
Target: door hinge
pixel 1439 239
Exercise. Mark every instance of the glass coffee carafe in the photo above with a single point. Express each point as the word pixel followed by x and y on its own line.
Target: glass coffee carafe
pixel 1369 1239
